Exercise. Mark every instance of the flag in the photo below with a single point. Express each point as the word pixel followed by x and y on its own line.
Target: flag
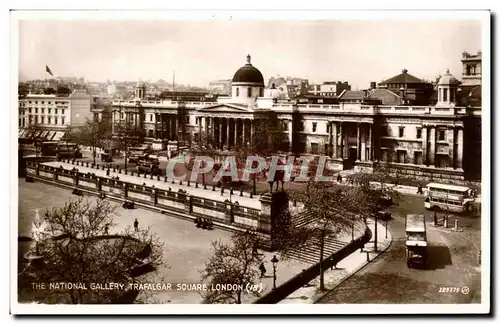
pixel 48 70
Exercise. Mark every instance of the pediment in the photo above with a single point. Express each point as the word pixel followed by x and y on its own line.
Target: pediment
pixel 226 108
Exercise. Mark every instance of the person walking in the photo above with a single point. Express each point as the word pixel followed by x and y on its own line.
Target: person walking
pixel 262 269
pixel 136 225
pixel 106 229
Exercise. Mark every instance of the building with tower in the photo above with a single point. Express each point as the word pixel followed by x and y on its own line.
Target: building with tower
pixel 419 139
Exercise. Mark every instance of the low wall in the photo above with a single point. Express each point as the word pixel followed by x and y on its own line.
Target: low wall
pixel 301 279
pixel 217 211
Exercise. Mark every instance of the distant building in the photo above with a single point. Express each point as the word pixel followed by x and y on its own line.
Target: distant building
pixel 53 114
pixel 412 90
pixel 329 88
pixel 471 69
pixel 220 87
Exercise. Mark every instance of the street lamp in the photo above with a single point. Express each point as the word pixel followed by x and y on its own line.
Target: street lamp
pixel 275 262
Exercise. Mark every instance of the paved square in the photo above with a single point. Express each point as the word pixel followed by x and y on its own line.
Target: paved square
pixel 186 247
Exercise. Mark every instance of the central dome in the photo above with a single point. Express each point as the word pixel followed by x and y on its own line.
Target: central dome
pixel 248 74
pixel 448 79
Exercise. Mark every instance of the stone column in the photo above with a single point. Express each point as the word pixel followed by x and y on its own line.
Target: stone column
pixel 460 147
pixel 227 131
pixel 432 146
pixel 243 126
pixel 156 125
pixel 363 142
pixel 370 142
pixel 334 139
pixel 341 133
pixel 236 120
pixel 251 130
pixel 452 147
pixel 358 143
pixel 424 145
pixel 219 145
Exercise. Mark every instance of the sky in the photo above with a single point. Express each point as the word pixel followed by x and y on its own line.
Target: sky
pixel 357 51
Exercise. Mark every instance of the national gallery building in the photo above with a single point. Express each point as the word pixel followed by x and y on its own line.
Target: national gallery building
pixel 358 129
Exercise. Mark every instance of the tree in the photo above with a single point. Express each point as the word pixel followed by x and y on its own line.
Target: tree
pixel 233 263
pixel 126 137
pixel 92 134
pixel 268 134
pixel 75 248
pixel 327 209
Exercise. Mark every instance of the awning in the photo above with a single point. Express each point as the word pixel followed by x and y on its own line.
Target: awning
pixel 44 134
pixel 58 136
pixel 50 135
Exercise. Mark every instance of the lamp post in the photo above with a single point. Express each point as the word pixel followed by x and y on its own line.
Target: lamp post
pixel 275 262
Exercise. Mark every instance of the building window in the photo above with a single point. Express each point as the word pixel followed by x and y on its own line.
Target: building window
pixel 445 94
pixel 50 110
pixel 55 111
pixel 401 131
pixel 43 102
pixel 150 133
pixel 123 115
pixel 29 110
pixel 237 92
pixel 42 119
pixel 62 120
pixel 151 117
pixel 441 135
pixel 314 148
pixel 30 101
pixel 36 110
pixel 49 120
pixel 36 102
pixel 419 132
pixel 55 120
pixel 328 128
pixel 314 127
pixel 249 92
pixel 36 119
pixel 43 110
pixel 62 111
pixel 49 102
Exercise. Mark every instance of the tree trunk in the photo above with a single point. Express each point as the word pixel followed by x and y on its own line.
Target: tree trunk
pixel 321 255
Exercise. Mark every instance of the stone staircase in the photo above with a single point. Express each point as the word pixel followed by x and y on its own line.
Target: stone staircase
pixel 310 253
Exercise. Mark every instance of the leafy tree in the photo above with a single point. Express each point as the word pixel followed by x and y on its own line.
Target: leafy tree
pixel 75 248
pixel 92 134
pixel 326 210
pixel 126 136
pixel 235 262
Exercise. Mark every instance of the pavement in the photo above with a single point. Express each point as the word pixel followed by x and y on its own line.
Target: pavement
pixel 310 293
pixel 186 247
pixel 244 200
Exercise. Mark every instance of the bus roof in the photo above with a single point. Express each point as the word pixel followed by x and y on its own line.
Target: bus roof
pixel 448 187
pixel 415 223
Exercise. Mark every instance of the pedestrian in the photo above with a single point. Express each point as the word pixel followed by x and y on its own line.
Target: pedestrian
pixel 106 229
pixel 262 269
pixel 419 191
pixel 136 225
pixel 107 173
pixel 222 191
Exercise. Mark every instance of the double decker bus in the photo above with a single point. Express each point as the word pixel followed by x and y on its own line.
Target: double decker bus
pixel 450 197
pixel 416 240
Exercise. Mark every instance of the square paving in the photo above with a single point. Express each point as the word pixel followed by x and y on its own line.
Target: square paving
pixel 186 247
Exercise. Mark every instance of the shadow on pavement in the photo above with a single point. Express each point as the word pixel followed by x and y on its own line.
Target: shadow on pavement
pixel 438 257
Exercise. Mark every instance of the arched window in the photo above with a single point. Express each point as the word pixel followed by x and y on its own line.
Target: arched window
pixel 445 94
pixel 237 92
pixel 249 92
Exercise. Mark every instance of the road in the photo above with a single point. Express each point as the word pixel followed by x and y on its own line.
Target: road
pixel 452 264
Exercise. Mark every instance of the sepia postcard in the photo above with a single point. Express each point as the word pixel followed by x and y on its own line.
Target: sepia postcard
pixel 312 162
